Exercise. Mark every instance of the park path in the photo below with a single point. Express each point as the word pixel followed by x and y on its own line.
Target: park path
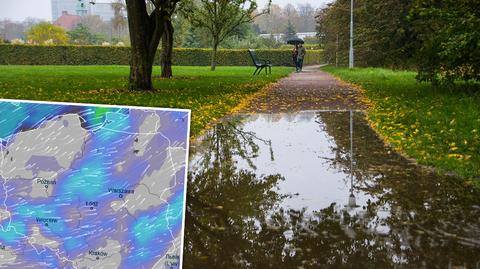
pixel 318 175
pixel 311 89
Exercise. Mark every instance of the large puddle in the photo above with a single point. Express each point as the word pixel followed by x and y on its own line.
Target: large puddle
pixel 320 190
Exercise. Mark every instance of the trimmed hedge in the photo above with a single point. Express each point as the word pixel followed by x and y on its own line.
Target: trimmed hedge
pixel 111 55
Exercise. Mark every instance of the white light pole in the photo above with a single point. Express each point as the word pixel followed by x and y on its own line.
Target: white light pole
pixel 350 55
pixel 352 201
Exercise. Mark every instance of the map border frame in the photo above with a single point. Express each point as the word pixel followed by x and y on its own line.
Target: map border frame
pixel 189 113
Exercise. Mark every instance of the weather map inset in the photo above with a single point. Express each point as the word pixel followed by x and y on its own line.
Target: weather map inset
pixel 91 186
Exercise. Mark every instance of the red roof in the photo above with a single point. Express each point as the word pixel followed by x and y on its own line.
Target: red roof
pixel 67 21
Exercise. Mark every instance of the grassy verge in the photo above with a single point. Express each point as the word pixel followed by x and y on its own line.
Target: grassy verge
pixel 439 126
pixel 208 94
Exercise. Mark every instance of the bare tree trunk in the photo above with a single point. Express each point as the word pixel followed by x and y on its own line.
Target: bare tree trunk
pixel 140 73
pixel 167 50
pixel 214 56
pixel 145 33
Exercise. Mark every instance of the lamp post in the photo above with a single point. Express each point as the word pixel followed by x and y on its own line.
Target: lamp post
pixel 350 55
pixel 351 198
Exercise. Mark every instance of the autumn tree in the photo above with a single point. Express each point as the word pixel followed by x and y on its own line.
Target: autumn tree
pixel 450 40
pixel 119 20
pixel 95 25
pixel 383 35
pixel 180 26
pixel 167 50
pixel 46 33
pixel 273 22
pixel 81 35
pixel 10 30
pixel 290 13
pixel 221 18
pixel 146 29
pixel 306 20
pixel 191 39
pixel 289 31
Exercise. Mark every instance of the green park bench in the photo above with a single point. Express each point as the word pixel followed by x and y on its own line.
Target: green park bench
pixel 260 64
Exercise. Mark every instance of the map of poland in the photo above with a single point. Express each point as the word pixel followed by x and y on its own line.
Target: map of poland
pixel 90 186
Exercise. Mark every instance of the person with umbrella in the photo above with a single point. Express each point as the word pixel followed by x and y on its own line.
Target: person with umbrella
pixel 294 56
pixel 298 52
pixel 301 51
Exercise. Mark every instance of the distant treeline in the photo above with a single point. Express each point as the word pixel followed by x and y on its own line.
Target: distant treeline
pixel 301 16
pixel 441 39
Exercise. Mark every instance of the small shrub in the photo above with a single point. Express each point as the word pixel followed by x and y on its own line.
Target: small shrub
pixel 17 41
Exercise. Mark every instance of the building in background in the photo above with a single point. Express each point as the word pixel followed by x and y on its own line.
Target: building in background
pixel 104 10
pixel 67 21
pixel 59 6
pixel 81 8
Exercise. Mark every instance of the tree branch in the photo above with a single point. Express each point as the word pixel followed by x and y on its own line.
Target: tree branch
pixel 154 4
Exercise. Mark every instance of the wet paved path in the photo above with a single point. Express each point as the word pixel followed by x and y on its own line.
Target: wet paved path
pixel 313 188
pixel 311 89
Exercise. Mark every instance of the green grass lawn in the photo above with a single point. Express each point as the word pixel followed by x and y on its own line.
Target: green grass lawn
pixel 437 126
pixel 208 94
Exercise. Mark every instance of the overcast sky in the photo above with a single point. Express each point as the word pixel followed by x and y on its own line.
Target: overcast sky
pixel 18 10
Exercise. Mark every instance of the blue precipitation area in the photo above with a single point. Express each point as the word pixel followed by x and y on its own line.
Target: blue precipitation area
pixel 149 234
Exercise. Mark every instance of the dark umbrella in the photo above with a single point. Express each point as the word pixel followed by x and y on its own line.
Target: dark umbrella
pixel 295 41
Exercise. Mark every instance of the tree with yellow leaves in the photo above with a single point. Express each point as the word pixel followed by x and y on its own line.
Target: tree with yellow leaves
pixel 47 33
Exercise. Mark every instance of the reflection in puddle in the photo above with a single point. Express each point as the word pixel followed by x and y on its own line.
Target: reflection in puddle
pixel 273 190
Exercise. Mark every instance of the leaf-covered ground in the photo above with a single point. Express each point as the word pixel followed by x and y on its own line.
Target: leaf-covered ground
pixel 439 126
pixel 210 95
